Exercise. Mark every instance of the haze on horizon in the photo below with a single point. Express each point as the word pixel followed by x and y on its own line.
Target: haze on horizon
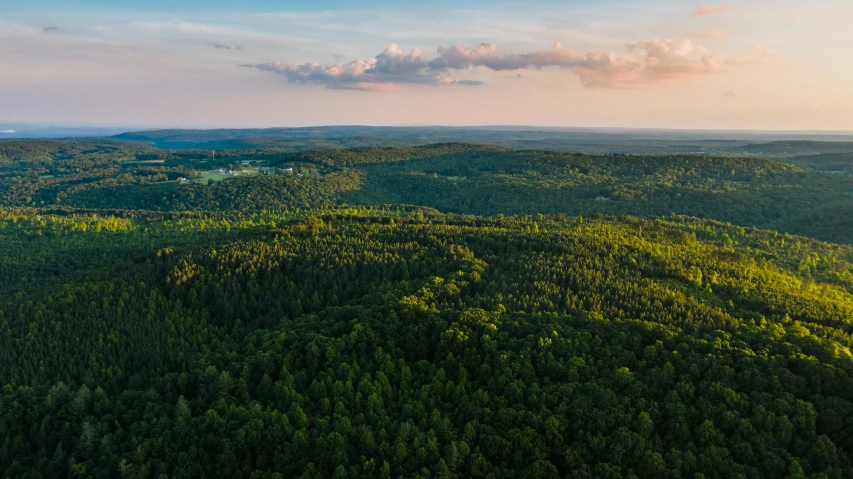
pixel 755 64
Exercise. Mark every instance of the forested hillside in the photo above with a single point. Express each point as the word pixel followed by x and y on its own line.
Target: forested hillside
pixel 407 343
pixel 449 310
pixel 458 178
pixel 582 140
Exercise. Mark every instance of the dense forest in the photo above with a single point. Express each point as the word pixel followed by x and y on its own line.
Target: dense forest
pixel 449 310
pixel 580 140
pixel 806 195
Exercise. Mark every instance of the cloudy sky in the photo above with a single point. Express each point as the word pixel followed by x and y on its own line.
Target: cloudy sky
pixel 756 64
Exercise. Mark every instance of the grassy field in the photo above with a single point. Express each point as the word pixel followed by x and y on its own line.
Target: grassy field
pixel 219 176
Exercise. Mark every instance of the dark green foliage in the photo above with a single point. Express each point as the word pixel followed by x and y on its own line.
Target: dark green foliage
pixel 247 193
pixel 49 153
pixel 830 163
pixel 405 343
pixel 257 327
pixel 459 178
pixel 456 153
pixel 745 191
pixel 584 140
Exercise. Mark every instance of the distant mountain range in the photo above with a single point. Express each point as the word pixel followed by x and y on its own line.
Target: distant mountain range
pixel 26 130
pixel 480 132
pixel 585 140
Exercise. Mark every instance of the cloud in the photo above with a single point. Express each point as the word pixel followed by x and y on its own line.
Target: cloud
pixel 467 82
pixel 712 35
pixel 7 131
pixel 50 28
pixel 711 10
pixel 731 94
pixel 640 63
pixel 222 46
pixel 392 61
pixel 391 67
pixel 338 56
pixel 458 57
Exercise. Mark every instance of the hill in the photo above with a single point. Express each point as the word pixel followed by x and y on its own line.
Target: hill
pixel 402 342
pixel 576 140
pixel 443 310
pixel 458 178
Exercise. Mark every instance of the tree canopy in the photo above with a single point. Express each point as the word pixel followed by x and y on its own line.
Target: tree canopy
pixel 308 324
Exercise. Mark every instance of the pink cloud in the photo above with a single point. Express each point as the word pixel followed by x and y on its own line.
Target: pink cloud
pixel 391 67
pixel 655 61
pixel 641 63
pixel 711 10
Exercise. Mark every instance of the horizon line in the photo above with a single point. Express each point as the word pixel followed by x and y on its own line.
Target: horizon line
pixel 21 127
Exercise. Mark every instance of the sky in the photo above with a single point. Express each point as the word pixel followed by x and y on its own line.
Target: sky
pixel 753 64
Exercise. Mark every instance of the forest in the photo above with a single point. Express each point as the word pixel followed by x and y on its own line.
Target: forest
pixel 805 195
pixel 577 140
pixel 445 310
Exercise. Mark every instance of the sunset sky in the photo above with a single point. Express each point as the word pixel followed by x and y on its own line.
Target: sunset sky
pixel 763 64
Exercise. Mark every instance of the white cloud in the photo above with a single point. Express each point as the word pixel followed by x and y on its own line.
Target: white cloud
pixel 467 82
pixel 640 63
pixel 390 67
